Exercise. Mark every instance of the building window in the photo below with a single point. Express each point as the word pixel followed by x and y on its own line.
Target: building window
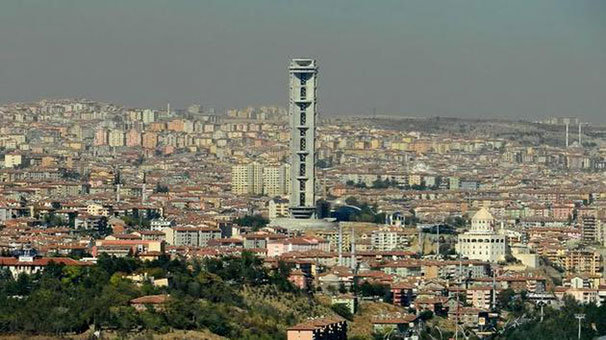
pixel 303 118
pixel 302 198
pixel 303 93
pixel 303 79
pixel 302 157
pixel 301 185
pixel 302 169
pixel 303 144
pixel 302 132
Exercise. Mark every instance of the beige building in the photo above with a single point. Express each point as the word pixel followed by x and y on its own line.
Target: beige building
pixel 12 160
pixel 276 180
pixel 326 328
pixel 150 140
pixel 116 138
pixel 149 116
pixel 97 210
pixel 247 179
pixel 278 208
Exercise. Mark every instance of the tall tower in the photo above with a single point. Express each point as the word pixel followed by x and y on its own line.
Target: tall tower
pixel 302 111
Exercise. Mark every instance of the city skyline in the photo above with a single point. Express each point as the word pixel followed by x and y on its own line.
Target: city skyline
pixel 303 170
pixel 480 60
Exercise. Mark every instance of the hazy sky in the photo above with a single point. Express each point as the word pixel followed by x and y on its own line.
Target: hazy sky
pixel 470 58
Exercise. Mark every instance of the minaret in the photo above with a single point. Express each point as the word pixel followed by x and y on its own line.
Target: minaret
pixel 302 111
pixel 580 145
pixel 566 134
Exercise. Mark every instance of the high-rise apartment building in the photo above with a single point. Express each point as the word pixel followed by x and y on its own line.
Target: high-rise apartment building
pixel 254 178
pixel 149 116
pixel 302 111
pixel 116 138
pixel 247 179
pixel 276 180
pixel 150 140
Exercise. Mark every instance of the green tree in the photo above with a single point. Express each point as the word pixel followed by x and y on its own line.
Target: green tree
pixel 256 221
pixel 343 310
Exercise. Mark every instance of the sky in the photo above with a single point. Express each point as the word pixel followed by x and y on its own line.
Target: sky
pixel 513 59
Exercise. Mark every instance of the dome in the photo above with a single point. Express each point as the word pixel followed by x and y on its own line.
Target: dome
pixel 482 215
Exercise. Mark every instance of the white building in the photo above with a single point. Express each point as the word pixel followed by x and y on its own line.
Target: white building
pixel 302 111
pixel 12 160
pixel 278 208
pixel 389 238
pixel 159 224
pixel 482 242
pixel 149 116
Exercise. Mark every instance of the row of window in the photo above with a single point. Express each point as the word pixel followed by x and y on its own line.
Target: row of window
pixel 488 253
pixel 473 240
pixel 303 142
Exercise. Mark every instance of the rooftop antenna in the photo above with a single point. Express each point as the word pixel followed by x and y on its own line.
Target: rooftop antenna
pixel 458 304
pixel 143 192
pixel 420 241
pixel 438 250
pixel 579 317
pixel 494 289
pixel 340 244
pixel 353 249
pixel 324 184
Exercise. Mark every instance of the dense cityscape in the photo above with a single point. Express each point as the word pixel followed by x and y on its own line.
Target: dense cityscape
pixel 279 223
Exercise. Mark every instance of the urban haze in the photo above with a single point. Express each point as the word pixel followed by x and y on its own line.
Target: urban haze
pixel 483 59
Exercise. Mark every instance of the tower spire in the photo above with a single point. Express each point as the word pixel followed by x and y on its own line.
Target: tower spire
pixel 302 111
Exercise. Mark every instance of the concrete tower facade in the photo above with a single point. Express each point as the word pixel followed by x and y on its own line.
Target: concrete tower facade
pixel 302 111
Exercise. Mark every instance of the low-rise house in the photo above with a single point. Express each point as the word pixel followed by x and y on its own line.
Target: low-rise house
pixel 349 300
pixel 279 247
pixel 336 278
pixel 396 323
pixel 468 316
pixel 151 235
pixel 402 294
pixel 156 301
pixel 191 236
pixel 325 328
pixel 32 265
pixel 121 248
